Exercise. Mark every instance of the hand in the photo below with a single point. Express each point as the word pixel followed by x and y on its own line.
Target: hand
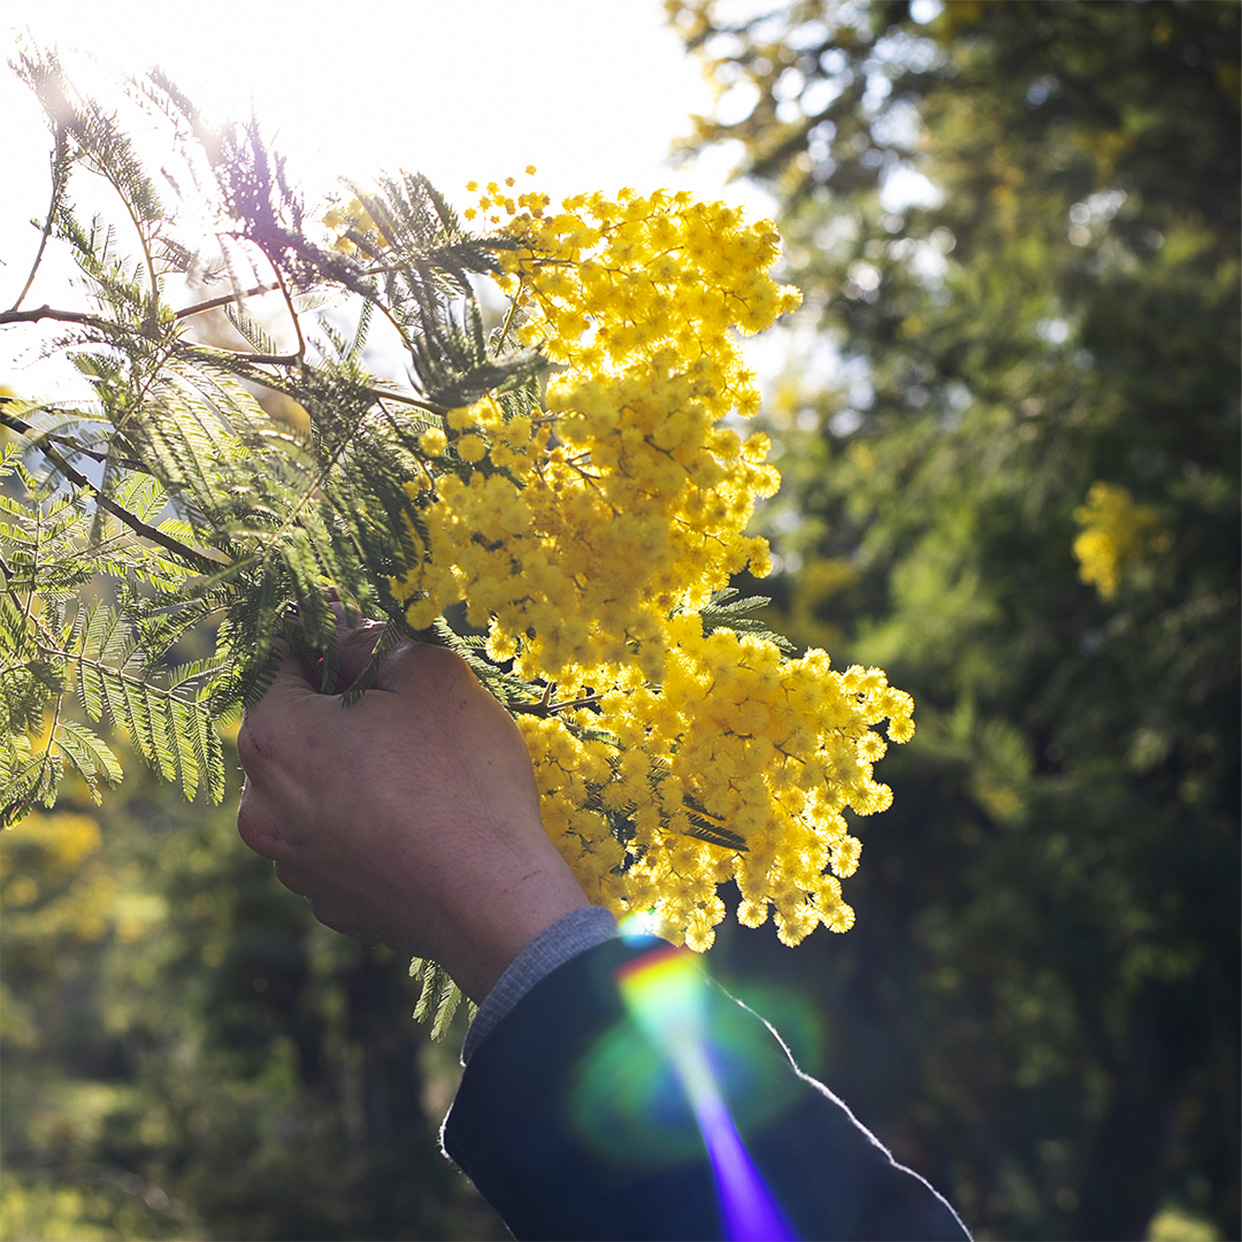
pixel 410 817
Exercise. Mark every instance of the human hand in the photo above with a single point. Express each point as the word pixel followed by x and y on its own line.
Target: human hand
pixel 410 817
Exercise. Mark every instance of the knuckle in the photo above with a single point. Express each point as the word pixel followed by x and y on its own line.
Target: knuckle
pixel 437 663
pixel 290 878
pixel 264 827
pixel 257 749
pixel 248 749
pixel 354 649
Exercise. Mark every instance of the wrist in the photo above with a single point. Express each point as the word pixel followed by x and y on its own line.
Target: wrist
pixel 570 935
pixel 500 921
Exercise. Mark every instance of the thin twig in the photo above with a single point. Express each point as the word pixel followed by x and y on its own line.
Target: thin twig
pixel 30 432
pixel 105 170
pixel 275 360
pixel 224 300
pixel 293 314
pixel 508 320
pixel 62 316
pixel 583 702
pixel 382 395
pixel 537 708
pixel 57 190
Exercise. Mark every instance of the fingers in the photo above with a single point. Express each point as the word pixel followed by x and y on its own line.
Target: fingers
pixel 286 724
pixel 355 641
pixel 256 827
pixel 286 687
pixel 282 732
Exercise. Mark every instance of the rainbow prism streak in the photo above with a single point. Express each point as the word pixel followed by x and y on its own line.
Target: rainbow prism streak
pixel 665 994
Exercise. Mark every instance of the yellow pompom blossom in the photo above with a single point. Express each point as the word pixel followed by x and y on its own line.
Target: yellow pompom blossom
pixel 588 536
pixel 1116 534
pixel 737 741
pixel 353 223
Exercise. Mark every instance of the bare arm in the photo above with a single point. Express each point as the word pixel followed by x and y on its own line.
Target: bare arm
pixel 411 817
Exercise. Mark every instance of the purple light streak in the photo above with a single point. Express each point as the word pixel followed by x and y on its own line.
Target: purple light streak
pixel 665 993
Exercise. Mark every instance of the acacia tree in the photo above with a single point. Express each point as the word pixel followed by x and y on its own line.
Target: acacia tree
pixel 1016 230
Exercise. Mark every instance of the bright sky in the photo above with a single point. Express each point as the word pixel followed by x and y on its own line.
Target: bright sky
pixel 590 91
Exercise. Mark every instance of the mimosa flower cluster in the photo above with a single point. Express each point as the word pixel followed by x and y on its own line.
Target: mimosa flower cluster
pixel 588 535
pixel 1116 534
pixel 737 740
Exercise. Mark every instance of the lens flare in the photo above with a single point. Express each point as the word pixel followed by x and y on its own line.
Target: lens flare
pixel 665 993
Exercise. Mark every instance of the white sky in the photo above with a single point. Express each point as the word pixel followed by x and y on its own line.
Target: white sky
pixel 590 91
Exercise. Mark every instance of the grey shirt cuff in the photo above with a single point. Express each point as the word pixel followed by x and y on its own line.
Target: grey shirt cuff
pixel 573 934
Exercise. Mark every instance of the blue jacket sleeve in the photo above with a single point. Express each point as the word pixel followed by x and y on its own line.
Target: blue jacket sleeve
pixel 573 1125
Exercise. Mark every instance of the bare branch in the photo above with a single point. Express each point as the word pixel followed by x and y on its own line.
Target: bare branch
pixel 31 432
pixel 224 300
pixel 61 316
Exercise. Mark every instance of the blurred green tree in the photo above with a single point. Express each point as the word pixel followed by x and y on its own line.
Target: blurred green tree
pixel 1009 440
pixel 187 1053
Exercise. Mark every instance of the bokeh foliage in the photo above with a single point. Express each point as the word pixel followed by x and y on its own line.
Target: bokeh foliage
pixel 188 1054
pixel 1016 230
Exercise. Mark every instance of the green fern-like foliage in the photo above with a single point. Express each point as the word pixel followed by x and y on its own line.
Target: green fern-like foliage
pixel 227 468
pixel 173 502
